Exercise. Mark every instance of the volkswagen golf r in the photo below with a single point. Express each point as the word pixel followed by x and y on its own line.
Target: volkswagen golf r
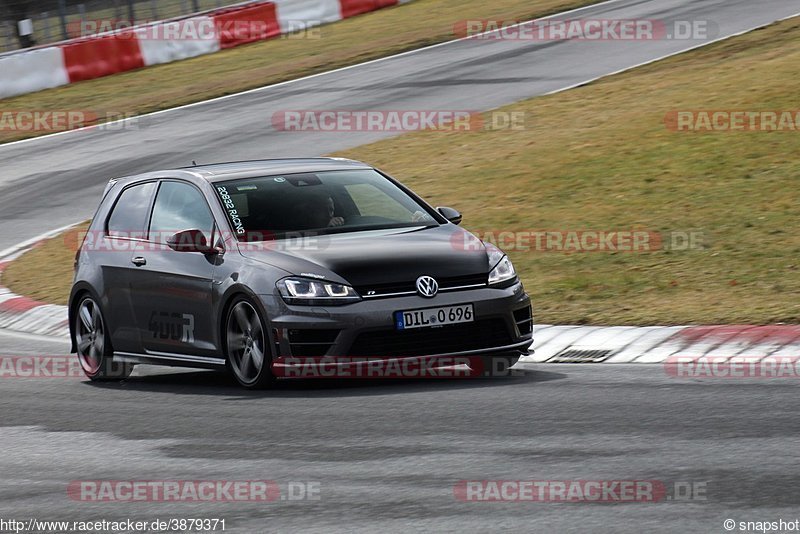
pixel 248 265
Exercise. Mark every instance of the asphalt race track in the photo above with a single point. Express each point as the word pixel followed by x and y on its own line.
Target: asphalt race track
pixel 386 455
pixel 52 182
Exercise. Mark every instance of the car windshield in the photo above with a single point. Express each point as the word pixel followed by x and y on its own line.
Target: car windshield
pixel 272 207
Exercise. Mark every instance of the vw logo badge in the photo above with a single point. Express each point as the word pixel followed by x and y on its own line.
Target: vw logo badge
pixel 427 286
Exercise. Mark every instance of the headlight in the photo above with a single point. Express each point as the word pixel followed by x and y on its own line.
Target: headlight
pixel 316 292
pixel 502 268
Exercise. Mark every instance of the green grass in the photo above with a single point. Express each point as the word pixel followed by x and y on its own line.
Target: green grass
pixel 601 158
pixel 348 42
pixel 45 272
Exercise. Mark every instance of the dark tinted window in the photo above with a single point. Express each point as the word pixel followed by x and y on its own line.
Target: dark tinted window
pixel 322 202
pixel 179 207
pixel 129 216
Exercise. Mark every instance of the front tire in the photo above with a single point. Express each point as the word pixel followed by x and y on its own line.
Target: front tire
pixel 93 343
pixel 247 349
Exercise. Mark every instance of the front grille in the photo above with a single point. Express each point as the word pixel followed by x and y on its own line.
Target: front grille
pixel 524 319
pixel 477 335
pixel 378 290
pixel 308 342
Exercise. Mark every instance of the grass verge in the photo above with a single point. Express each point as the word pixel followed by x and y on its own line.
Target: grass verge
pixel 348 42
pixel 601 158
pixel 45 272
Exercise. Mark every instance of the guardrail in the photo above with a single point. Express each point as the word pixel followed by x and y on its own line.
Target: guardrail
pixel 129 48
pixel 29 23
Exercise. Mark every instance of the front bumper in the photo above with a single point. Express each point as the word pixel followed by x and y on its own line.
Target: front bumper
pixel 366 329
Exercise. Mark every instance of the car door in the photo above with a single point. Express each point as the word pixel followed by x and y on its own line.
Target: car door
pixel 171 290
pixel 124 230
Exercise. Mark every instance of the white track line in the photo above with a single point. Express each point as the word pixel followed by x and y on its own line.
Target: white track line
pixel 312 76
pixel 408 53
pixel 46 235
pixel 21 247
pixel 666 56
pixel 33 337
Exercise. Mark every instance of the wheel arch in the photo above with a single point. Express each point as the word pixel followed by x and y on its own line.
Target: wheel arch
pixel 78 291
pixel 227 299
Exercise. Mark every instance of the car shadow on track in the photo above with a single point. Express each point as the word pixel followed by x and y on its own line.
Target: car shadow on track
pixel 217 383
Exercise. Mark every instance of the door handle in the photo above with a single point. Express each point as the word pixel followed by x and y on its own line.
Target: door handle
pixel 139 261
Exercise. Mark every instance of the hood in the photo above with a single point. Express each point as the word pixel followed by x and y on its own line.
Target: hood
pixel 380 258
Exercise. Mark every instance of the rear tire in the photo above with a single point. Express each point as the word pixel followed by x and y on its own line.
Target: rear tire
pixel 93 343
pixel 248 355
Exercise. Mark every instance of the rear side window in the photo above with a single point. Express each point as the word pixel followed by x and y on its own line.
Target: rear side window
pixel 129 216
pixel 179 207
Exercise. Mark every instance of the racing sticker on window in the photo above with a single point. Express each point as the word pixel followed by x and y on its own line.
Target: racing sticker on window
pixel 233 212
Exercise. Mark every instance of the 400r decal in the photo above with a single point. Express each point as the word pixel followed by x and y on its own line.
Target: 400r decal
pixel 175 326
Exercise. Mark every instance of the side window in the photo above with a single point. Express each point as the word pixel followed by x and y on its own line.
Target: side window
pixel 179 207
pixel 129 215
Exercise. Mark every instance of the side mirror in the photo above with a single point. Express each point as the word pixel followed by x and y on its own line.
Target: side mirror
pixel 190 241
pixel 454 216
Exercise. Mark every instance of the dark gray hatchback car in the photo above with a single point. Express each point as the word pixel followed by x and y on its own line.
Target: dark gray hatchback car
pixel 251 266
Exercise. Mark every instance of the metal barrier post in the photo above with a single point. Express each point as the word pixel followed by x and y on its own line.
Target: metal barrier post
pixel 62 15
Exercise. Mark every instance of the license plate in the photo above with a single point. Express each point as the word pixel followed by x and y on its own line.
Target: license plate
pixel 406 320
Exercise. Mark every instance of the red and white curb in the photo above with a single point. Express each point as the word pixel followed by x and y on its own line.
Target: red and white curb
pixel 552 344
pixel 657 344
pixel 29 316
pixel 23 314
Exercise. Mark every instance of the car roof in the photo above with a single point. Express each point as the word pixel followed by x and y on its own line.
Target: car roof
pixel 244 169
pixel 218 172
